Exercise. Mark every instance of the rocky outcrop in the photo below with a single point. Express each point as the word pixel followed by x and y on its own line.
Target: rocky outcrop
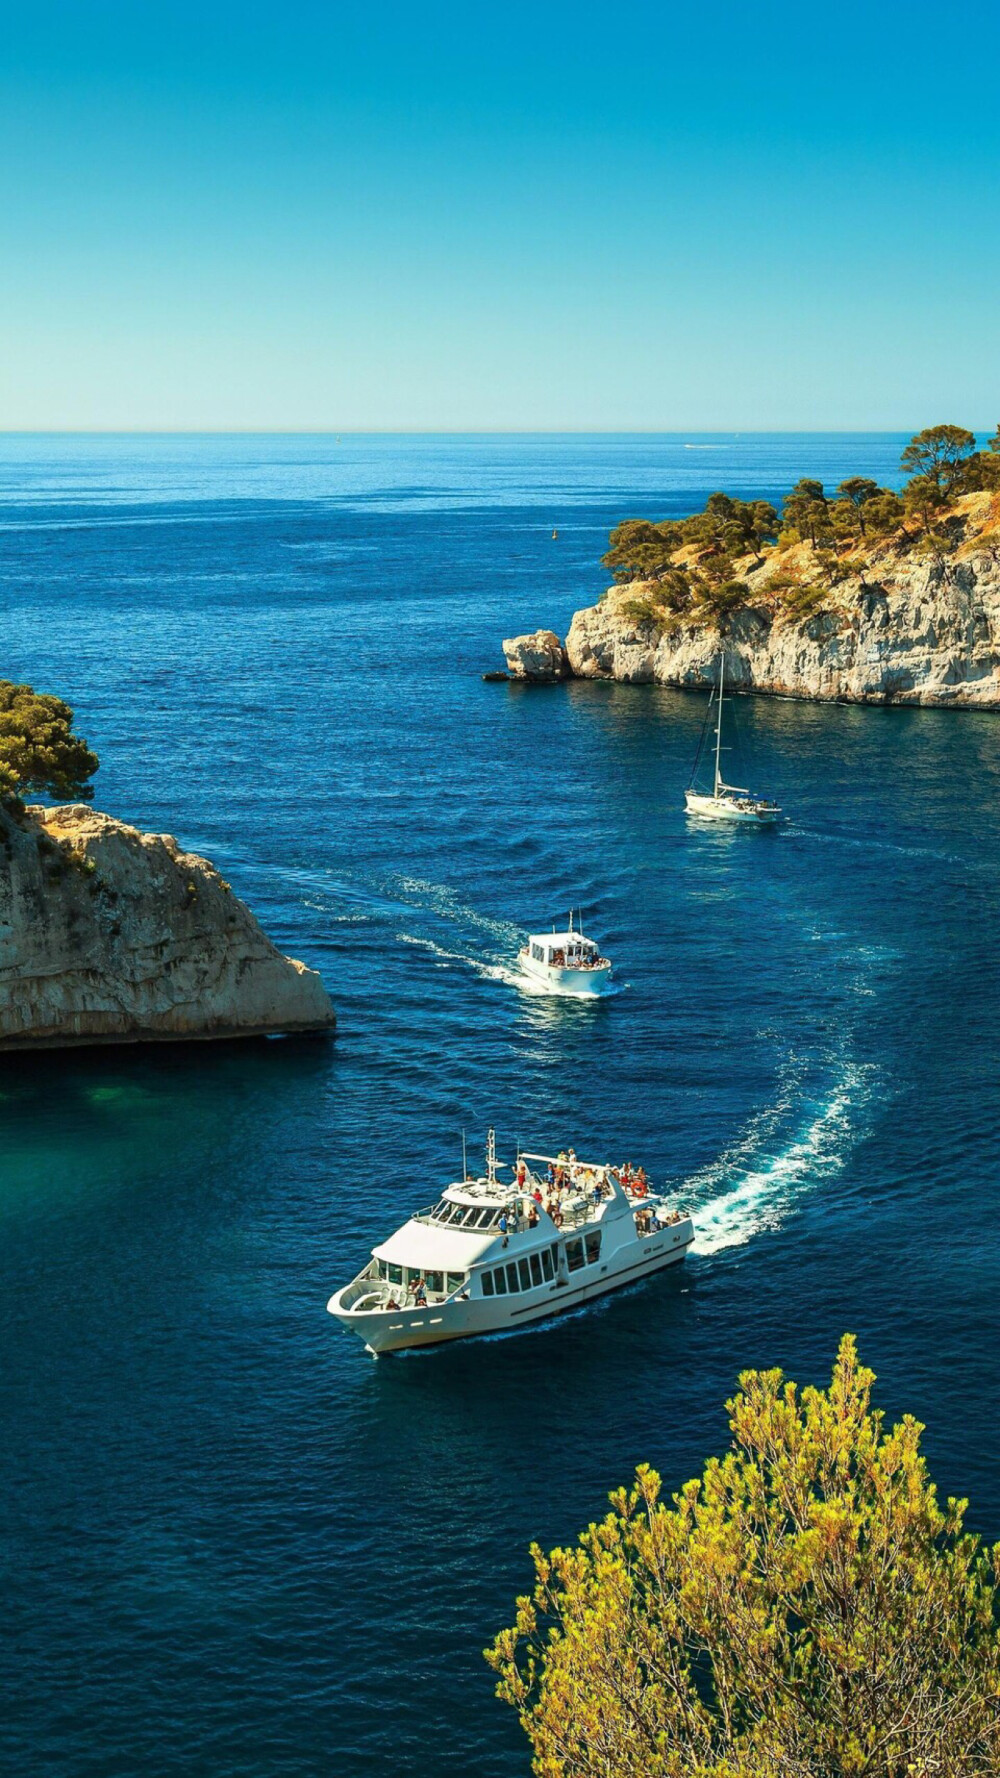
pixel 109 935
pixel 896 628
pixel 539 658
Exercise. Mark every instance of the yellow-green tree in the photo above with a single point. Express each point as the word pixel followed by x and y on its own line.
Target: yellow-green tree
pixel 806 1609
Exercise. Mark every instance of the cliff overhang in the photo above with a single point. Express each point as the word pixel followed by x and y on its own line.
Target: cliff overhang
pixel 110 935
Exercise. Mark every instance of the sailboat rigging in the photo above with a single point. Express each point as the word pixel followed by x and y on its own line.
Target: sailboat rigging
pixel 727 802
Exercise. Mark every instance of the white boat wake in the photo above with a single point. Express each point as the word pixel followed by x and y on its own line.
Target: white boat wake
pixel 505 972
pixel 768 1191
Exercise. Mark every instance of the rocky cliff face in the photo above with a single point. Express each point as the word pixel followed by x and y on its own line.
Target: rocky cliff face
pixel 109 935
pixel 540 657
pixel 907 629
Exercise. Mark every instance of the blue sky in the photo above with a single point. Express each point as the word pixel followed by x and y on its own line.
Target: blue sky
pixel 387 216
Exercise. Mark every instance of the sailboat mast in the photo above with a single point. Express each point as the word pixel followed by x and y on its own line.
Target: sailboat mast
pixel 718 730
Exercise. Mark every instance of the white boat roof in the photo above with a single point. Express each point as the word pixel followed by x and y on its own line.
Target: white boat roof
pixel 561 939
pixel 435 1247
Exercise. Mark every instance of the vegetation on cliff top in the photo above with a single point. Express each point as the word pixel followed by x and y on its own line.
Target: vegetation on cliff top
pixel 696 569
pixel 806 1608
pixel 38 750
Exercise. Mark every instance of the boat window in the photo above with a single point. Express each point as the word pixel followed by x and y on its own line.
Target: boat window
pixel 455 1280
pixel 485 1219
pixel 469 1218
pixel 512 1283
pixel 538 953
pixel 487 1283
pixel 434 1280
pixel 441 1211
pixel 574 1255
pixel 455 1213
pixel 536 1269
pixel 554 1250
pixel 500 1280
pixel 394 1274
pixel 593 1247
pixel 525 1272
pixel 547 1267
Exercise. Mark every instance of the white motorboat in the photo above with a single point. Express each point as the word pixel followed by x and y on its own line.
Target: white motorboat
pixel 493 1256
pixel 565 962
pixel 725 802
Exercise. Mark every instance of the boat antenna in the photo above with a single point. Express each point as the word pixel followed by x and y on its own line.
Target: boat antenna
pixel 491 1156
pixel 718 730
pixel 465 1164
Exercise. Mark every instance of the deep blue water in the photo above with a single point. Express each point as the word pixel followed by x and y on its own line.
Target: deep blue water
pixel 231 1542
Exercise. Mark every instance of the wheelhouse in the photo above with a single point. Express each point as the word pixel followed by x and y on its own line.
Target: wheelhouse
pixel 563 950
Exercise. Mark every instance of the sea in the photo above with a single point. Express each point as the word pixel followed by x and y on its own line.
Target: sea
pixel 231 1542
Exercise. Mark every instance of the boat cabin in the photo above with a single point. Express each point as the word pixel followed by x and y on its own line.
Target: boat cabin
pixel 562 950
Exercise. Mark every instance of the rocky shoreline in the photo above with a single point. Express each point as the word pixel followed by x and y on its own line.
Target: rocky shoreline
pixel 109 935
pixel 892 628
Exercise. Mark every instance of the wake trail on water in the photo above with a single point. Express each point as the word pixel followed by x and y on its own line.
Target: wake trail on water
pixel 503 972
pixel 768 1186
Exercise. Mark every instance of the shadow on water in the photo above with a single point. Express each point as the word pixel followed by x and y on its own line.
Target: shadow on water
pixel 78 1120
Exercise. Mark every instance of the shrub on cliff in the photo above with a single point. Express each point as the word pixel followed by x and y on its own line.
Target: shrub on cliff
pixel 806 511
pixel 716 602
pixel 38 750
pixel 640 550
pixel 805 1609
pixel 982 471
pixel 731 527
pixel 938 456
pixel 863 509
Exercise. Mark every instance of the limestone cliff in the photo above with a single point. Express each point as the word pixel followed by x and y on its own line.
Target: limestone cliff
pixel 539 658
pixel 888 624
pixel 109 935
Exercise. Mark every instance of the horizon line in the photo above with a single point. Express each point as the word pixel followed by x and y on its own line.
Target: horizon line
pixel 458 431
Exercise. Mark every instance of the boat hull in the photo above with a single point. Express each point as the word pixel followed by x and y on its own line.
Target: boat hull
pixel 407 1329
pixel 589 982
pixel 712 808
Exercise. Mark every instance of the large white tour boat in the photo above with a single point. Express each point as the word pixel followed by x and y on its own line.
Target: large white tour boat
pixel 725 802
pixel 494 1255
pixel 565 962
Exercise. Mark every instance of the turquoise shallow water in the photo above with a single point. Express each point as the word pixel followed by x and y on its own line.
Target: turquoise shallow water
pixel 231 1542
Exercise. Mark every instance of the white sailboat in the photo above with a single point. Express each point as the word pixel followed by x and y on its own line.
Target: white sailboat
pixel 727 802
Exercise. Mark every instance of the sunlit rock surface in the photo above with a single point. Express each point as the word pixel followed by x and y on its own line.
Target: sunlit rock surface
pixel 109 935
pixel 895 628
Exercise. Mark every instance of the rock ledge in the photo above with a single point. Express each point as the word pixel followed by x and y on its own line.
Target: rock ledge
pixel 109 935
pixel 539 658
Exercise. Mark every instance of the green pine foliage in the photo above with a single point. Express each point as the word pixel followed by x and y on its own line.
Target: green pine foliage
pixel 39 753
pixel 689 569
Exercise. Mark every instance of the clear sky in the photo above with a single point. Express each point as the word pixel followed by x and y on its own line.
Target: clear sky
pixel 482 216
